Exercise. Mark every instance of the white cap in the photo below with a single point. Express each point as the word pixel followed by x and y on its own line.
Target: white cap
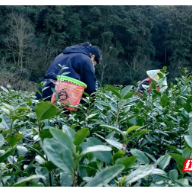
pixel 153 74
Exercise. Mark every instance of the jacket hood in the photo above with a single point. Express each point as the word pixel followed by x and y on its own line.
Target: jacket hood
pixel 77 49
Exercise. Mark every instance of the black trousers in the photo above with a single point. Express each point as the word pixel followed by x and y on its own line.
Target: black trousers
pixel 47 93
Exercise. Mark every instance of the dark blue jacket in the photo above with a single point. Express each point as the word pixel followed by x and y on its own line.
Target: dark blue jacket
pixel 80 66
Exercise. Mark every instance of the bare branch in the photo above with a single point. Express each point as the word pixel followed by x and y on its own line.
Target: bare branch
pixel 20 37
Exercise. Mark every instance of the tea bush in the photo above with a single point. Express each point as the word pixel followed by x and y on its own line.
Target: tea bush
pixel 116 138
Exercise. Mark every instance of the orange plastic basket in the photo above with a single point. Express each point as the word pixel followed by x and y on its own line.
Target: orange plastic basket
pixel 69 91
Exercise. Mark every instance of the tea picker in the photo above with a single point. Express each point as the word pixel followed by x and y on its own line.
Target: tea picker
pixel 77 64
pixel 145 85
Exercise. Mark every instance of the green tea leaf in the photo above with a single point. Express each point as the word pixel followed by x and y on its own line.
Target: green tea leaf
pixel 115 91
pixel 45 110
pixel 127 162
pixel 2 140
pixel 173 174
pixel 141 157
pixel 114 143
pixel 183 182
pixel 180 168
pixel 66 179
pixel 174 149
pixel 112 128
pixel 6 121
pixel 45 133
pixel 105 176
pixel 142 172
pixel 164 100
pixel 62 138
pixel 186 153
pixel 21 150
pixel 69 131
pixel 81 135
pixel 5 155
pixel 153 85
pixel 104 156
pixel 178 158
pixel 129 95
pixel 22 182
pixel 139 133
pixel 95 148
pixel 163 161
pixel 188 139
pixel 190 128
pixel 49 165
pixel 119 154
pixel 13 139
pixel 160 75
pixel 132 129
pixel 59 155
pixel 126 90
pixel 36 151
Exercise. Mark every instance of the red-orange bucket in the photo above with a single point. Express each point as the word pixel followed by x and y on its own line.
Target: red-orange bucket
pixel 69 90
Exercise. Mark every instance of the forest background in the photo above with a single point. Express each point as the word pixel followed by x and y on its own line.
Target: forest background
pixel 133 39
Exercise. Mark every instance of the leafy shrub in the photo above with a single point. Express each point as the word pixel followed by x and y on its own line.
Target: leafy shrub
pixel 116 138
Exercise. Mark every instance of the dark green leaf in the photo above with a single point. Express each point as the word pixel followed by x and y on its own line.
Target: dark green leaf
pixel 180 168
pixel 174 149
pixel 129 95
pixel 160 75
pixel 153 85
pixel 157 92
pixel 49 165
pixel 127 162
pixel 178 158
pixel 45 133
pixel 81 135
pixel 115 91
pixel 36 151
pixel 164 100
pixel 45 110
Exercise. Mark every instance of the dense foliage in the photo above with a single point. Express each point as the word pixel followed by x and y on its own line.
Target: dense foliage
pixel 116 138
pixel 133 39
